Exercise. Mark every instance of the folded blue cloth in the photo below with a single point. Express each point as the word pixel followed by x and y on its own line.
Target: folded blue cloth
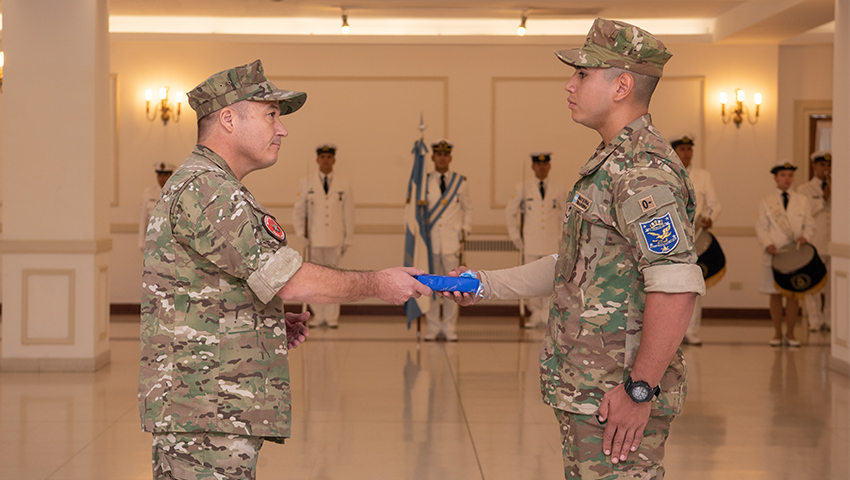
pixel 442 283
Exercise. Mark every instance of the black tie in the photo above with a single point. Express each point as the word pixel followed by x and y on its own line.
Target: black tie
pixel 542 190
pixel 442 184
pixel 785 200
pixel 326 184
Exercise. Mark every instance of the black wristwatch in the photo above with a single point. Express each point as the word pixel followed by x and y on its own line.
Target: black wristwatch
pixel 640 391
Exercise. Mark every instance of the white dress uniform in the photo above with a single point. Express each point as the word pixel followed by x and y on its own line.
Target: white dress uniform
pixel 543 219
pixel 817 306
pixel 780 227
pixel 330 219
pixel 708 206
pixel 446 235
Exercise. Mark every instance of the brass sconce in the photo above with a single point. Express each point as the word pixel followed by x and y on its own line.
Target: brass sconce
pixel 737 114
pixel 164 108
pixel 2 62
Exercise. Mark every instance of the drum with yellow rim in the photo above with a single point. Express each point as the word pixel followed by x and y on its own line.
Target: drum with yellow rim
pixel 798 271
pixel 710 258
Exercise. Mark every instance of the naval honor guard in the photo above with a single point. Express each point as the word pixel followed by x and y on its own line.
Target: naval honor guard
pixel 324 220
pixel 819 191
pixel 539 203
pixel 450 219
pixel 708 210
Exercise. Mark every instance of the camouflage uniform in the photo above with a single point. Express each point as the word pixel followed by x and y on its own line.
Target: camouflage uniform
pixel 628 230
pixel 214 368
pixel 606 264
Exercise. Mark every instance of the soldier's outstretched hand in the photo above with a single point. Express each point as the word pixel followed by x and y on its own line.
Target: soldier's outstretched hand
pixel 396 285
pixel 461 298
pixel 296 330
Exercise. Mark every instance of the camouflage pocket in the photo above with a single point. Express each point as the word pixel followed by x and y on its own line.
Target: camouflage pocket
pixel 588 254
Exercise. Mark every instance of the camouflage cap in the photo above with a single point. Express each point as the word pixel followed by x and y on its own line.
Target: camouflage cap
pixel 245 82
pixel 611 43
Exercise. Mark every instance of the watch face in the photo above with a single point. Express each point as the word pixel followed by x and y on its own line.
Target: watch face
pixel 640 393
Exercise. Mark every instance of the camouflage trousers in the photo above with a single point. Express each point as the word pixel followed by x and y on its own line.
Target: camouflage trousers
pixel 203 455
pixel 581 445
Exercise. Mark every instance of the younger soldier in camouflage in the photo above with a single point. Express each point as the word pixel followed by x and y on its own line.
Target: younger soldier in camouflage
pixel 214 367
pixel 625 277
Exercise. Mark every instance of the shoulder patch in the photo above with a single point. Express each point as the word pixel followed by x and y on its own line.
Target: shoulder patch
pixel 273 228
pixel 660 234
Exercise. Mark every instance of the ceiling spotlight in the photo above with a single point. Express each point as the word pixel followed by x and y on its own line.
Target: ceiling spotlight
pixel 521 29
pixel 345 27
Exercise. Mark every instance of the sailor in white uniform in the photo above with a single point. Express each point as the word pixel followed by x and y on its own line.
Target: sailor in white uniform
pixel 784 218
pixel 323 217
pixel 540 204
pixel 450 217
pixel 819 191
pixel 708 210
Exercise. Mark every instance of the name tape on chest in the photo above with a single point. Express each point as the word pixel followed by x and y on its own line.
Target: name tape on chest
pixel 273 228
pixel 660 234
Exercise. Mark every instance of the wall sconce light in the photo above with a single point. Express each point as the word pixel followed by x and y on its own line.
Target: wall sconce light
pixel 521 29
pixel 2 62
pixel 737 114
pixel 345 27
pixel 164 108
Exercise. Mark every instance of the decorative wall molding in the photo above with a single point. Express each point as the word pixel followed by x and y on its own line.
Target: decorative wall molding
pixel 57 246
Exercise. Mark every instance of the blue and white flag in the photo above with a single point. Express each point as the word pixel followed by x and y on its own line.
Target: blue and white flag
pixel 417 237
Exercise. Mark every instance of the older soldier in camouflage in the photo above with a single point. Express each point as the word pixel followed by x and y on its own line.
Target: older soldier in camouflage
pixel 214 371
pixel 625 277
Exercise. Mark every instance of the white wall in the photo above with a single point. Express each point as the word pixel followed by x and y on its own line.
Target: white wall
pixel 496 103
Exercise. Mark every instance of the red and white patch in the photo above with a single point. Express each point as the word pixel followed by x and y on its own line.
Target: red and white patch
pixel 273 228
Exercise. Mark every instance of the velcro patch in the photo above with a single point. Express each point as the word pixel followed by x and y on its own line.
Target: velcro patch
pixel 647 204
pixel 660 234
pixel 273 228
pixel 643 204
pixel 581 202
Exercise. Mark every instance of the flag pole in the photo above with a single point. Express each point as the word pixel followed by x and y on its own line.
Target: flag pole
pixel 421 139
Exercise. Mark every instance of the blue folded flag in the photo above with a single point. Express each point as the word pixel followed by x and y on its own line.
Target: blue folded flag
pixel 442 283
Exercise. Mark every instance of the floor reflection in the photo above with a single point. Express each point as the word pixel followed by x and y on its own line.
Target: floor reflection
pixel 371 402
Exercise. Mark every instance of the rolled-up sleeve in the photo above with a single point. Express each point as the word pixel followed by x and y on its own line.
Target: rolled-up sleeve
pixel 272 275
pixel 674 278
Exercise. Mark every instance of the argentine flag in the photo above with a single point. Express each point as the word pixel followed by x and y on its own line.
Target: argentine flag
pixel 417 243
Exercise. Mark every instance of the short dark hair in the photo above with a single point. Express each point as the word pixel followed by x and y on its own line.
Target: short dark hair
pixel 644 84
pixel 206 123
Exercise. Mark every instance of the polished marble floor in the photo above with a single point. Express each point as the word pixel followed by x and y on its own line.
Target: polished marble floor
pixel 370 402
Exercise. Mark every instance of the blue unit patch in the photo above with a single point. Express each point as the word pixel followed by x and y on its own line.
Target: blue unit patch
pixel 660 234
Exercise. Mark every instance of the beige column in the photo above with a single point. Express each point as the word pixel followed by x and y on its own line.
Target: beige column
pixel 839 247
pixel 55 166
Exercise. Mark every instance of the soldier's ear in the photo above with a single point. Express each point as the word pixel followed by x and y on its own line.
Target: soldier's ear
pixel 625 85
pixel 226 117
